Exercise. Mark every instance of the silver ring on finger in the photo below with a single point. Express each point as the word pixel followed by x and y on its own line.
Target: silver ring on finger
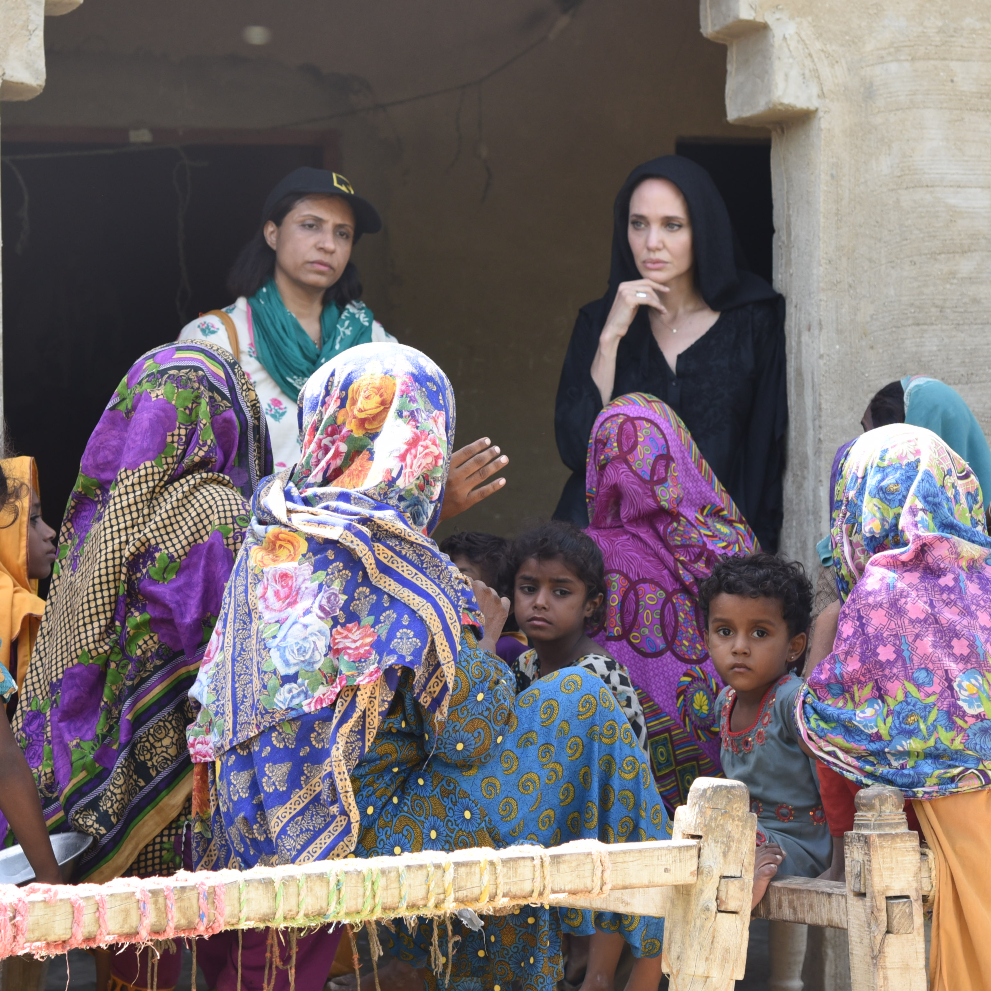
pixel 641 295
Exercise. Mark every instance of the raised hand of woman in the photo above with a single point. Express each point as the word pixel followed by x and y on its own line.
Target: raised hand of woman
pixel 470 467
pixel 629 298
pixel 495 609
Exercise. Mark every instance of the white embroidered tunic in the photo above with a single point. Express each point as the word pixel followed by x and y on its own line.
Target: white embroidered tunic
pixel 280 409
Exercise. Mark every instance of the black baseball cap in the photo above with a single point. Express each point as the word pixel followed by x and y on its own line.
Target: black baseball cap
pixel 310 180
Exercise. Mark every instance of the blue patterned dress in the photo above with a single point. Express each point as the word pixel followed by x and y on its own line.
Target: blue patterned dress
pixel 555 764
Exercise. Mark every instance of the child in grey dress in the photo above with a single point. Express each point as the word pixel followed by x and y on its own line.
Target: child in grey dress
pixel 757 611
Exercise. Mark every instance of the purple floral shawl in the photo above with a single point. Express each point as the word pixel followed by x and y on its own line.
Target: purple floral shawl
pixel 147 544
pixel 661 519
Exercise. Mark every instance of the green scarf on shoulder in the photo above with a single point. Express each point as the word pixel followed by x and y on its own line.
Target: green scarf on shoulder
pixel 287 351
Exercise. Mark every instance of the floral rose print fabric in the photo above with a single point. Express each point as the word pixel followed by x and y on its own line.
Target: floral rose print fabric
pixel 337 588
pixel 905 697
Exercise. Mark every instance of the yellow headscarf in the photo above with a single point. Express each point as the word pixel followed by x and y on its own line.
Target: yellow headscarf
pixel 20 607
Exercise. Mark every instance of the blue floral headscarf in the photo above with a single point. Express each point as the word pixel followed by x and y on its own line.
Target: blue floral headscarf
pixel 338 589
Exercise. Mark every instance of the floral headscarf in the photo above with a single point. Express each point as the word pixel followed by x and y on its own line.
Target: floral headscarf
pixel 156 516
pixel 338 590
pixel 905 697
pixel 662 520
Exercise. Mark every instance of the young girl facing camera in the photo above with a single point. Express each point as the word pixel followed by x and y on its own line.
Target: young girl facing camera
pixel 757 610
pixel 559 592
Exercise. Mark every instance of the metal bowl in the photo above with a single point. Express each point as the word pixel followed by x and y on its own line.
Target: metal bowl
pixel 68 847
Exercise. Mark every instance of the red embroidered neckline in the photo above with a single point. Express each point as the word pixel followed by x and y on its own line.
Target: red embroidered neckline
pixel 765 703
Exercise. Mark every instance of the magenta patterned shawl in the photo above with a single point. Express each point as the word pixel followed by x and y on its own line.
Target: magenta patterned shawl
pixel 661 519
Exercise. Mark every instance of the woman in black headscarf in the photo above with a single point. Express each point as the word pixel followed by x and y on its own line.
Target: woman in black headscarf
pixel 684 320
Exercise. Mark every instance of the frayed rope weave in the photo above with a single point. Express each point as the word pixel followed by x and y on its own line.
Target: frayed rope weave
pixel 14 902
pixel 440 901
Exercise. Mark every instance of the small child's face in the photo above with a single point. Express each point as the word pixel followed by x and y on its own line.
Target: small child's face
pixel 41 543
pixel 475 570
pixel 550 601
pixel 749 642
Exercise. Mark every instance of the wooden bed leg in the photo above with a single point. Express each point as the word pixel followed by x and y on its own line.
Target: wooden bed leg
pixel 23 973
pixel 708 924
pixel 884 900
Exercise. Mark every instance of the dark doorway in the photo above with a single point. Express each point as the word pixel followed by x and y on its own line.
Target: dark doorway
pixel 107 254
pixel 742 173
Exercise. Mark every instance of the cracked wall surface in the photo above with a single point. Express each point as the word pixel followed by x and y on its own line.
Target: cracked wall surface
pixel 881 159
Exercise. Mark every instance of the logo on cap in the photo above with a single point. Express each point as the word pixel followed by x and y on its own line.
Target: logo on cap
pixel 341 183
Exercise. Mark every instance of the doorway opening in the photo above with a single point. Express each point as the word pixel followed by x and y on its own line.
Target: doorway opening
pixel 741 171
pixel 109 249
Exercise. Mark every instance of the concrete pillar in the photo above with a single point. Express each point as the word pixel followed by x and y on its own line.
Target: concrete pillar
pixel 881 159
pixel 22 76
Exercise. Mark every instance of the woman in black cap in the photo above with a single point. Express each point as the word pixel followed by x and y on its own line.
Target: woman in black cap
pixel 684 320
pixel 299 305
pixel 298 295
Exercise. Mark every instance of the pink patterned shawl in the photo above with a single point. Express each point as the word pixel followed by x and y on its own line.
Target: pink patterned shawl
pixel 904 699
pixel 661 519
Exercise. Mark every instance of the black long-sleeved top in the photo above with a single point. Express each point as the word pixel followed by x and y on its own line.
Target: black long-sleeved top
pixel 729 389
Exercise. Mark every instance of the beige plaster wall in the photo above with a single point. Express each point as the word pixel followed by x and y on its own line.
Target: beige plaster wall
pixel 881 168
pixel 487 280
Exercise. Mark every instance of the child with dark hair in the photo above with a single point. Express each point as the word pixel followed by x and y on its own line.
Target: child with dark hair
pixel 757 610
pixel 559 597
pixel 558 594
pixel 484 557
pixel 19 802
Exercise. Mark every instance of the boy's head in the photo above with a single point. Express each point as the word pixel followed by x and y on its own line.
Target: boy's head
pixel 757 611
pixel 559 585
pixel 480 556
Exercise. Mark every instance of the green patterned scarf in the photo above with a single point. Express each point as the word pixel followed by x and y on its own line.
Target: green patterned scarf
pixel 287 351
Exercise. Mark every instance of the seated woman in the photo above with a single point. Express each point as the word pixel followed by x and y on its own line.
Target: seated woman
pixel 904 697
pixel 926 402
pixel 684 320
pixel 149 537
pixel 922 402
pixel 348 705
pixel 27 552
pixel 662 520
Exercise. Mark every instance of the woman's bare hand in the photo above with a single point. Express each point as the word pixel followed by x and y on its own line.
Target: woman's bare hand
pixel 630 296
pixel 470 467
pixel 495 609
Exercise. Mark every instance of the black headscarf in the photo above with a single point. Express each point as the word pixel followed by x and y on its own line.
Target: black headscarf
pixel 744 447
pixel 721 273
